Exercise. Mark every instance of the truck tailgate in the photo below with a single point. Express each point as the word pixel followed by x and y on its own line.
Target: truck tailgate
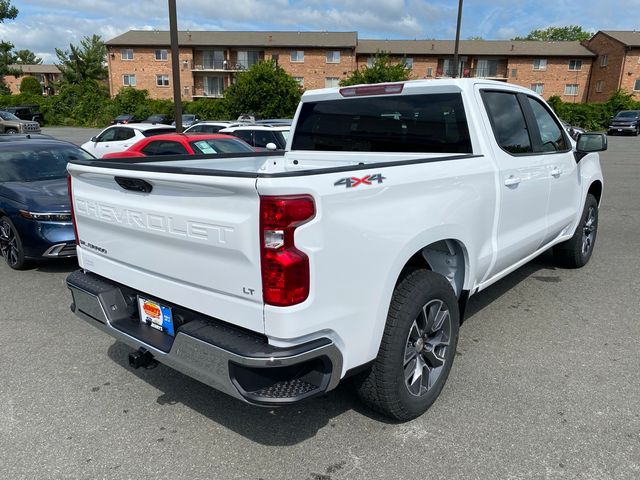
pixel 192 240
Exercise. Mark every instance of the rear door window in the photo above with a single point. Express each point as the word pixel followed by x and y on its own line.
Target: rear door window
pixel 124 133
pixel 507 121
pixel 246 135
pixel 391 123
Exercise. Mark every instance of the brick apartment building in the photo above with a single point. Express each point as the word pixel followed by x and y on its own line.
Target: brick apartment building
pixel 46 74
pixel 549 68
pixel 209 61
pixel 617 64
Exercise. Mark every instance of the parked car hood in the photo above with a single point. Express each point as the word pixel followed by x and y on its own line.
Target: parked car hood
pixel 41 196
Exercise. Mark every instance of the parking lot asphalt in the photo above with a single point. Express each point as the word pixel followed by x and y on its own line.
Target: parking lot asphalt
pixel 546 384
pixel 72 134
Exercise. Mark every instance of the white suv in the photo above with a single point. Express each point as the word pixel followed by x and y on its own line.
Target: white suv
pixel 118 138
pixel 261 136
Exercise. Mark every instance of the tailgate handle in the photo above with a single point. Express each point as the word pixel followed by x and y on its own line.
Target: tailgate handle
pixel 134 184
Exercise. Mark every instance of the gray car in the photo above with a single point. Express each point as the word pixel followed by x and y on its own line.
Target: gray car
pixel 9 123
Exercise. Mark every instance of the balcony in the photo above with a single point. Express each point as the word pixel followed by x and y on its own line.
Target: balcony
pixel 221 66
pixel 492 73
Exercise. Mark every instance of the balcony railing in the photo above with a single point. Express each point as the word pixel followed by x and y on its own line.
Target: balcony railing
pixel 473 73
pixel 221 66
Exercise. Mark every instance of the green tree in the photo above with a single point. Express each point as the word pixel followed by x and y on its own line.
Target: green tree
pixel 7 11
pixel 265 90
pixel 83 62
pixel 26 57
pixel 30 86
pixel 570 32
pixel 382 70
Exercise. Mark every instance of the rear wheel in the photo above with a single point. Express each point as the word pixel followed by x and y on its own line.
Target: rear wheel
pixel 417 348
pixel 11 131
pixel 11 245
pixel 576 252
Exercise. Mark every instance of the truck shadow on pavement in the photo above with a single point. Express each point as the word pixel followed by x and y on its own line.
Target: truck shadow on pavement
pixel 280 426
pixel 290 425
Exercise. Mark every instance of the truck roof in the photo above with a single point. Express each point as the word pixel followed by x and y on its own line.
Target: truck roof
pixel 440 85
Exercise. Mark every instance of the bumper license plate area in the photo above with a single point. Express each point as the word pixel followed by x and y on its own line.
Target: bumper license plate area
pixel 155 315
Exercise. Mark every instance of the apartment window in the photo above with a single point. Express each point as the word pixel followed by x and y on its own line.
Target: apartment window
pixel 331 82
pixel 575 65
pixel 571 89
pixel 213 86
pixel 599 86
pixel 297 56
pixel 300 81
pixel 162 55
pixel 162 80
pixel 213 60
pixel 333 56
pixel 370 61
pixel 247 59
pixel 126 54
pixel 429 71
pixel 538 88
pixel 129 80
pixel 604 60
pixel 539 63
pixel 514 73
pixel 408 62
pixel 636 87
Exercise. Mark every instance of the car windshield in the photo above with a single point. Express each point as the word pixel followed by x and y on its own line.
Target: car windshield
pixel 627 115
pixel 188 118
pixel 8 116
pixel 226 145
pixel 31 163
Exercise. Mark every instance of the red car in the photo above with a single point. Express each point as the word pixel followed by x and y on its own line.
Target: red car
pixel 184 144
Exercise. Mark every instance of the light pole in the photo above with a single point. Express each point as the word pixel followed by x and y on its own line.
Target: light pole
pixel 175 65
pixel 457 44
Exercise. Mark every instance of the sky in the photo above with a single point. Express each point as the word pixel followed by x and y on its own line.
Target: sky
pixel 43 25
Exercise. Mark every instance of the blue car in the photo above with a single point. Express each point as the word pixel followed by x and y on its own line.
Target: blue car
pixel 35 216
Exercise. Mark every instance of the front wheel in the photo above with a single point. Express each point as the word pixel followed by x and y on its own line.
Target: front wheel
pixel 11 245
pixel 11 131
pixel 417 348
pixel 576 252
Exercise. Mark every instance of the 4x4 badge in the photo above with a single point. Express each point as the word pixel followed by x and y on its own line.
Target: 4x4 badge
pixel 351 182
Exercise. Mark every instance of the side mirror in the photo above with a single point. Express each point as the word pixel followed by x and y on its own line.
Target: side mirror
pixel 94 139
pixel 590 142
pixel 271 146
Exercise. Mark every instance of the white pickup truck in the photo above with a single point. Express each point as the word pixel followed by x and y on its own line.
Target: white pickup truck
pixel 273 276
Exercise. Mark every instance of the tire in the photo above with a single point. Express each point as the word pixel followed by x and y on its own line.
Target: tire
pixel 417 349
pixel 576 252
pixel 637 132
pixel 10 245
pixel 11 131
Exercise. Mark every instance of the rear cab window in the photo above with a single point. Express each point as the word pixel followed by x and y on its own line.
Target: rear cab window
pixel 422 123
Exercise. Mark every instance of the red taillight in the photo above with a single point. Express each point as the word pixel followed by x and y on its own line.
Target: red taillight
pixel 285 269
pixel 73 215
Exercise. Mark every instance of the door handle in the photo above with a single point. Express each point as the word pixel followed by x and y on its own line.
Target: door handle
pixel 512 181
pixel 556 172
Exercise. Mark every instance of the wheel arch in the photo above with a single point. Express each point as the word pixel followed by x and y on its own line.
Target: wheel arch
pixel 448 257
pixel 595 189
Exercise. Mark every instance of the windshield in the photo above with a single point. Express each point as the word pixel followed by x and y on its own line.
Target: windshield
pixel 8 116
pixel 188 118
pixel 627 115
pixel 227 145
pixel 31 163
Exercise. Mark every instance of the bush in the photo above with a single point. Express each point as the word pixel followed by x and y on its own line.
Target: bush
pixel 30 86
pixel 208 109
pixel 265 90
pixel 594 116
